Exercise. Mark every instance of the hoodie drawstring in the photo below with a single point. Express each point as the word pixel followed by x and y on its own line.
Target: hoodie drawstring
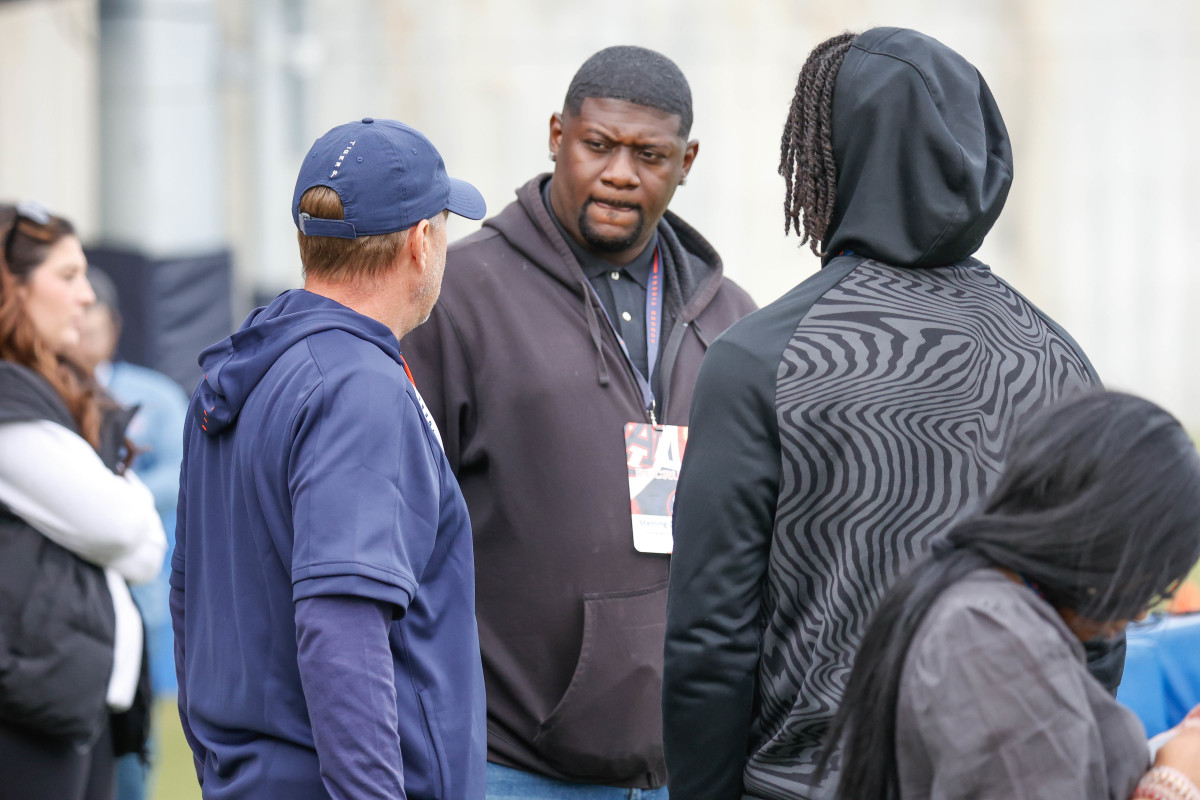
pixel 594 329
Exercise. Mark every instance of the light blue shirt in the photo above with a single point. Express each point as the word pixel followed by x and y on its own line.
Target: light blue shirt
pixel 157 431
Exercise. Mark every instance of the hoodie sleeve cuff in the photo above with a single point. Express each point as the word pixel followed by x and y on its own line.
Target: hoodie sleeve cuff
pixel 396 590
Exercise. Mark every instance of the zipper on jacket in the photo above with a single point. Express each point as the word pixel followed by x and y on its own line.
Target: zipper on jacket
pixel 632 371
pixel 670 354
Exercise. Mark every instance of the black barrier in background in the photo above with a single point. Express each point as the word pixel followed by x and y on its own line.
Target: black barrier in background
pixel 172 307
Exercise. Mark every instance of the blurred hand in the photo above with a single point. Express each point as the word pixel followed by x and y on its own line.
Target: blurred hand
pixel 1182 752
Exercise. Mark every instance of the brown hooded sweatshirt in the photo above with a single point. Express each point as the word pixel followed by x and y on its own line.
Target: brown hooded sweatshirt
pixel 531 391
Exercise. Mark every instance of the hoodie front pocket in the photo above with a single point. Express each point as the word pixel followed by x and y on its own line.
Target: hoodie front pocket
pixel 608 724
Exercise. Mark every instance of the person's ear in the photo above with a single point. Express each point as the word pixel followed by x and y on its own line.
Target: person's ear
pixel 419 244
pixel 689 156
pixel 556 132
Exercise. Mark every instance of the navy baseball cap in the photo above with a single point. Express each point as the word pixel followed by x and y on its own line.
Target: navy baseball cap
pixel 389 177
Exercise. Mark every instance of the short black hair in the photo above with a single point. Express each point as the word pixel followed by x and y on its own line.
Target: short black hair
pixel 636 75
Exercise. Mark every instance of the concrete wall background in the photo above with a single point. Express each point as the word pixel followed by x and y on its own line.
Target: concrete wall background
pixel 49 101
pixel 1100 96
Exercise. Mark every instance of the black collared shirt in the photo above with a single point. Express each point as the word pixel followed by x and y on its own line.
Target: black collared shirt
pixel 622 290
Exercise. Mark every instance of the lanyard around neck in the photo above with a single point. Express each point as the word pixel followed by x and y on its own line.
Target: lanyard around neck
pixel 654 305
pixel 408 372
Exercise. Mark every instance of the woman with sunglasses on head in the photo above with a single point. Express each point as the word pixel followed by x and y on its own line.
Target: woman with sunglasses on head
pixel 971 683
pixel 75 527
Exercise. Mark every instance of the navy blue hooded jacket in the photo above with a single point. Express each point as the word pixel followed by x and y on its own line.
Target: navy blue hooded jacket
pixel 312 470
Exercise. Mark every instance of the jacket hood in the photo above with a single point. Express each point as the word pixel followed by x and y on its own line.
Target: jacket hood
pixel 527 226
pixel 923 158
pixel 693 268
pixel 234 366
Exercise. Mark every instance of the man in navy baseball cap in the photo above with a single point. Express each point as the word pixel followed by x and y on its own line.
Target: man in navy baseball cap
pixel 322 586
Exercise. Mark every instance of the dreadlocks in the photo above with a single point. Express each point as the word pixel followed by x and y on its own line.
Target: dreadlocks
pixel 806 150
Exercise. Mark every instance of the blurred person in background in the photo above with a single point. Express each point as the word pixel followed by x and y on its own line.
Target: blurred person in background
pixel 971 684
pixel 838 430
pixel 570 329
pixel 156 431
pixel 75 525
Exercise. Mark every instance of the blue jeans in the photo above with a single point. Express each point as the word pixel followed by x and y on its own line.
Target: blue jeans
pixel 132 777
pixel 506 783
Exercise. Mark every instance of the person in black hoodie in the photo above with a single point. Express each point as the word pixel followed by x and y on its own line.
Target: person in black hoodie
pixel 546 343
pixel 837 430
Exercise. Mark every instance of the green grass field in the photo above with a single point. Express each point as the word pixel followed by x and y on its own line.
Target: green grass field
pixel 174 777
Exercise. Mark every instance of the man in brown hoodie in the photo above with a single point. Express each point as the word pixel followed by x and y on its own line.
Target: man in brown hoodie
pixel 582 308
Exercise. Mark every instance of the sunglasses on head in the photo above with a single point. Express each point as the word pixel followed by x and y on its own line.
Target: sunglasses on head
pixel 30 210
pixel 33 211
pixel 26 209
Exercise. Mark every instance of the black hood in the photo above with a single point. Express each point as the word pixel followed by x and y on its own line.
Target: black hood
pixel 923 159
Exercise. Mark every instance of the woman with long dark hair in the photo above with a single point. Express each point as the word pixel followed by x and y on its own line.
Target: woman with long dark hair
pixel 75 526
pixel 970 681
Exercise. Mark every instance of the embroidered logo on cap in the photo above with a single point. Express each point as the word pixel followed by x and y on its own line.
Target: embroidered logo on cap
pixel 341 158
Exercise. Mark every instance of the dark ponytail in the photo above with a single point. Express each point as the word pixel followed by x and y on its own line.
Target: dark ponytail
pixel 1098 504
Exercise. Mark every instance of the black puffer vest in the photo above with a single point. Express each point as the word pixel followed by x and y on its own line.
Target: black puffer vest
pixel 57 621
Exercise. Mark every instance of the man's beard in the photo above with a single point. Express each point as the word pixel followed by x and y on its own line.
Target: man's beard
pixel 605 244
